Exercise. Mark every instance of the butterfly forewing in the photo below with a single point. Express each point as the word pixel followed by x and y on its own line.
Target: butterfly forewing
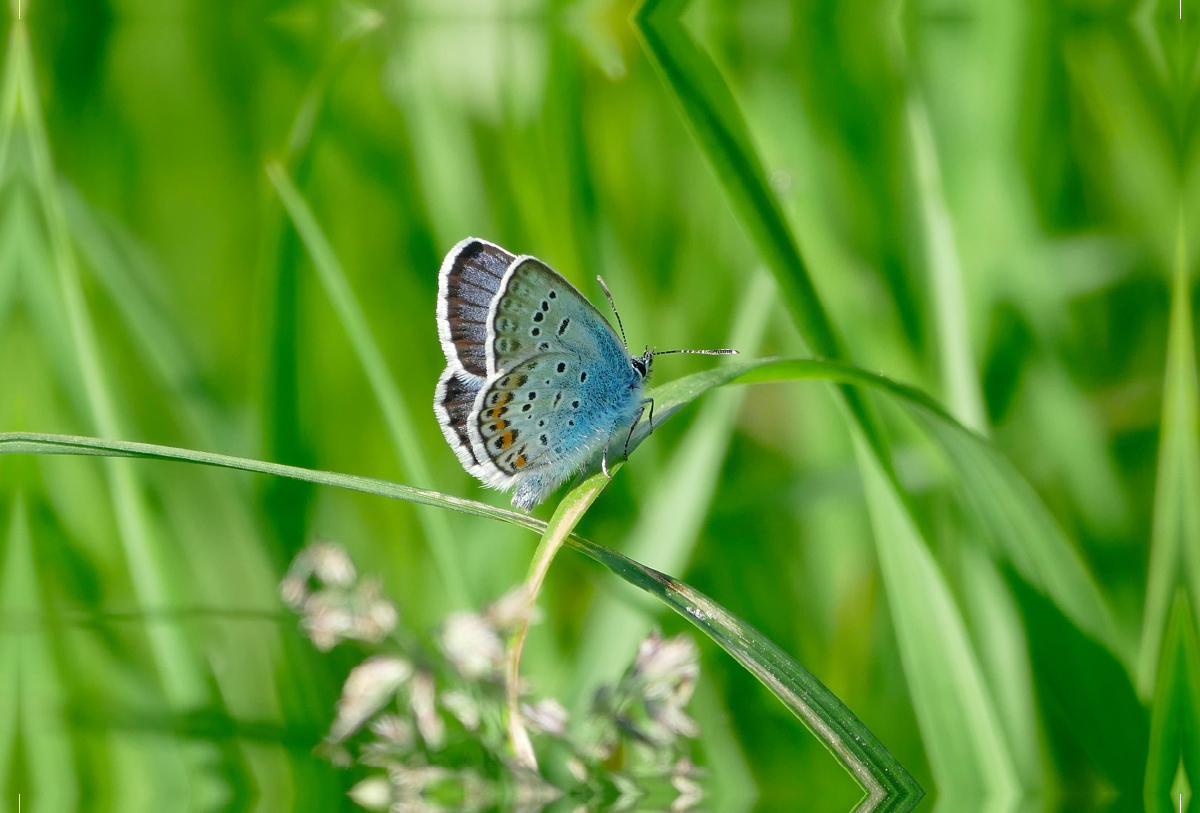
pixel 469 279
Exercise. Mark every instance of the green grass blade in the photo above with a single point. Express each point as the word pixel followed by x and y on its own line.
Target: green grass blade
pixel 889 787
pixel 36 683
pixel 567 514
pixel 1175 715
pixel 960 726
pixel 179 669
pixel 960 376
pixel 1175 537
pixel 672 517
pixel 989 606
pixel 396 414
pixel 713 116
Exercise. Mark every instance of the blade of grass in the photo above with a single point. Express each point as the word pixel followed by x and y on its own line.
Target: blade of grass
pixel 968 752
pixel 44 738
pixel 673 514
pixel 963 737
pixel 182 677
pixel 994 618
pixel 566 516
pixel 1175 716
pixel 889 787
pixel 713 116
pixel 396 414
pixel 1175 535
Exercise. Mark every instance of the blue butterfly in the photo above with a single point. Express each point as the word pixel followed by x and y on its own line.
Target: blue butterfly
pixel 536 381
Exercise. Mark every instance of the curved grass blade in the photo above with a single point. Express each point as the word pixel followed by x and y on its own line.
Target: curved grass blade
pixel 712 113
pixel 567 514
pixel 968 752
pixel 889 787
pixel 391 401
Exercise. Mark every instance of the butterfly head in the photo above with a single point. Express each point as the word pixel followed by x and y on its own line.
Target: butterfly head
pixel 641 364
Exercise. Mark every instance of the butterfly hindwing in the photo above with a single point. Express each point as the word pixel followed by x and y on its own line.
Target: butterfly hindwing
pixel 467 283
pixel 453 403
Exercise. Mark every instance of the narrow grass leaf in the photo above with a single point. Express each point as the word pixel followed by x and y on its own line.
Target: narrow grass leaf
pixel 1175 715
pixel 961 730
pixel 28 668
pixel 1175 536
pixel 396 414
pixel 179 668
pixel 566 516
pixel 712 114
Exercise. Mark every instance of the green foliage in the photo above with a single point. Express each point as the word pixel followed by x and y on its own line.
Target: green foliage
pixel 219 230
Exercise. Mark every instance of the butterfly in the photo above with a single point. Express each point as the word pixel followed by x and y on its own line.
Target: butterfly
pixel 536 380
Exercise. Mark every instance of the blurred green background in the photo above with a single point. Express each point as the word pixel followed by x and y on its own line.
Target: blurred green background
pixel 990 198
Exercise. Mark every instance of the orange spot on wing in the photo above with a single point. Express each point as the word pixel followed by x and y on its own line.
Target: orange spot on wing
pixel 520 461
pixel 507 438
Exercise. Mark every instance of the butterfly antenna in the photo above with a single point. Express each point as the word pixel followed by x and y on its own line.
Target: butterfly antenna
pixel 613 305
pixel 696 352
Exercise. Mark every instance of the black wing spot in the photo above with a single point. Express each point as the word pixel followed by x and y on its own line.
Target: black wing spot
pixel 562 326
pixel 538 316
pixel 557 398
pixel 547 382
pixel 495 398
pixel 570 423
pixel 533 395
pixel 521 379
pixel 562 366
pixel 504 382
pixel 582 377
pixel 527 407
pixel 533 364
pixel 541 423
pixel 574 405
pixel 545 441
pixel 545 305
pixel 553 295
pixel 537 331
pixel 558 450
pixel 544 346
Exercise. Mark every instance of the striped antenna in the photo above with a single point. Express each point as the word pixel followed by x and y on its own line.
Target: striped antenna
pixel 613 305
pixel 696 352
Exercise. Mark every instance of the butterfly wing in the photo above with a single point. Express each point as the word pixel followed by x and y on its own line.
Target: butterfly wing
pixel 468 281
pixel 536 311
pixel 560 383
pixel 453 403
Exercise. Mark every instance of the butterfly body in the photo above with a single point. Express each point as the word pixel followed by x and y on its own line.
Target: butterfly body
pixel 536 381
